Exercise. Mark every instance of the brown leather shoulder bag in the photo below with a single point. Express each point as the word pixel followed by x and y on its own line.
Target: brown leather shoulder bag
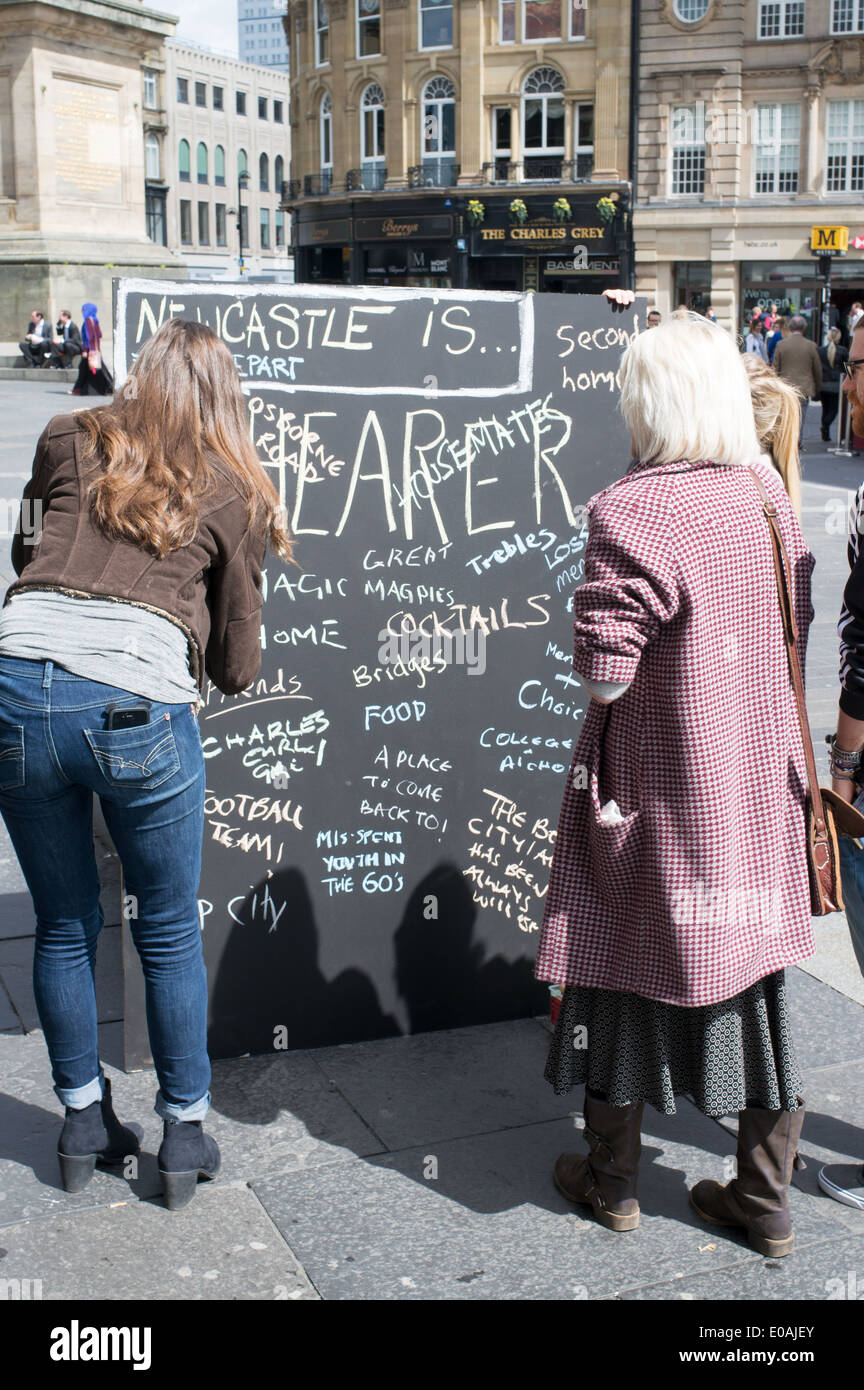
pixel 823 815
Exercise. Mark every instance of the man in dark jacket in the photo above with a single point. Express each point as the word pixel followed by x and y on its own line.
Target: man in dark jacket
pixel 36 341
pixel 796 359
pixel 67 345
pixel 845 1181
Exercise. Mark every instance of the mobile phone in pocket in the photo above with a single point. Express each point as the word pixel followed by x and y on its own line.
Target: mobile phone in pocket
pixel 127 716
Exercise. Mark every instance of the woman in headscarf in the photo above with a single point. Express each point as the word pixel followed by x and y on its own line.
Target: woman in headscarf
pixel 94 378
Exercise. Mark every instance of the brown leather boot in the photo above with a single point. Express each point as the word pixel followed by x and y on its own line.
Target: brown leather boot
pixel 607 1178
pixel 758 1198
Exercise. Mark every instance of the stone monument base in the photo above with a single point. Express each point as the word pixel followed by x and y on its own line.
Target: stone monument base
pixel 37 272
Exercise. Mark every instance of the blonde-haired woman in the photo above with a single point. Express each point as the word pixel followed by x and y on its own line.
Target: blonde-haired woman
pixel 778 333
pixel 832 356
pixel 152 516
pixel 777 412
pixel 678 890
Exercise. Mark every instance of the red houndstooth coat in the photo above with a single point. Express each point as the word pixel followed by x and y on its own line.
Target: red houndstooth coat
pixel 701 886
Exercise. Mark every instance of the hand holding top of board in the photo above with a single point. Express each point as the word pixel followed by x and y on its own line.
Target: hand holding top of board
pixel 619 297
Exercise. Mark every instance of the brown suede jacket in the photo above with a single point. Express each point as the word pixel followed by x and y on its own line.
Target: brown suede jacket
pixel 210 588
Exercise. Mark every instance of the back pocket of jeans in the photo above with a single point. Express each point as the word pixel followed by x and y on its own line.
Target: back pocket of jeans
pixel 11 756
pixel 143 756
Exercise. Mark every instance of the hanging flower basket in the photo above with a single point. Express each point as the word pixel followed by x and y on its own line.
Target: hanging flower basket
pixel 518 211
pixel 607 209
pixel 476 211
pixel 561 210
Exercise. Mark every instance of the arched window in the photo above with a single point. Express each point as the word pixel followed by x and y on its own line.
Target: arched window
pixel 264 173
pixel 372 137
pixel 151 157
pixel 183 161
pixel 242 166
pixel 691 10
pixel 326 141
pixel 278 173
pixel 202 162
pixel 543 123
pixel 439 131
pixel 219 165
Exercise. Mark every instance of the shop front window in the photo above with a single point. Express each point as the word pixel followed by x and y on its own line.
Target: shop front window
pixel 791 285
pixel 693 285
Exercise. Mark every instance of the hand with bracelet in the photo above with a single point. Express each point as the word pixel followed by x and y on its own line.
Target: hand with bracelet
pixel 845 756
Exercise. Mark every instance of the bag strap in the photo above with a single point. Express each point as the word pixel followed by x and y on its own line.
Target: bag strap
pixel 790 633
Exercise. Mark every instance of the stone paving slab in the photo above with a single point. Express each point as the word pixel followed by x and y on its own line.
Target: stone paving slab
pixel 222 1246
pixel 443 1085
pixel 827 1028
pixel 822 1271
pixel 269 1115
pixel 493 1226
pixel 16 973
pixel 834 961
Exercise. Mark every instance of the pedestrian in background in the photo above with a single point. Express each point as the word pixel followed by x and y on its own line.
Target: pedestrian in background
pixel 670 913
pixel 755 341
pixel 94 378
pixel 776 412
pixel 780 330
pixel 796 359
pixel 845 1181
pixel 36 341
pixel 67 344
pixel 832 356
pixel 155 517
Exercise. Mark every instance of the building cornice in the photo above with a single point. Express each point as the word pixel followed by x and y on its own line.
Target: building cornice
pixel 114 12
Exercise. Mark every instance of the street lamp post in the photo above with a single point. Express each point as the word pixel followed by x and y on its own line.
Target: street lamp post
pixel 242 182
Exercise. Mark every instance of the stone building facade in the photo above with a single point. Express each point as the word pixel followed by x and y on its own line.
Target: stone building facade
pixel 206 119
pixel 751 132
pixel 72 214
pixel 417 123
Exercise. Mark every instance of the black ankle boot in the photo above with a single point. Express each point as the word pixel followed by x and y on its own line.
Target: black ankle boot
pixel 185 1154
pixel 90 1136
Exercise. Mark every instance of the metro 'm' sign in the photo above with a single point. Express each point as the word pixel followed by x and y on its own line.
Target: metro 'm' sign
pixel 828 239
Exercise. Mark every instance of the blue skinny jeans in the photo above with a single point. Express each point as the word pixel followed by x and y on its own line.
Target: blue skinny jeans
pixel 55 752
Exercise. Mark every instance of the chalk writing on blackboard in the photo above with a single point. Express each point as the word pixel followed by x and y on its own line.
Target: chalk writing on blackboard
pixel 382 799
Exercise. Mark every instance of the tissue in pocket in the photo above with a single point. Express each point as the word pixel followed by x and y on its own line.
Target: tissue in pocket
pixel 610 814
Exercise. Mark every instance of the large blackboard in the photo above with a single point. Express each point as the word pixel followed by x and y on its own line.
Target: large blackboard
pixel 380 815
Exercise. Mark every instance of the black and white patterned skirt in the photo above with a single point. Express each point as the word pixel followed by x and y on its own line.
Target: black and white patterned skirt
pixel 724 1056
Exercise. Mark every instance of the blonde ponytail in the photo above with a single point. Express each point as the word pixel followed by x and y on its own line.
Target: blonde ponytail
pixel 777 411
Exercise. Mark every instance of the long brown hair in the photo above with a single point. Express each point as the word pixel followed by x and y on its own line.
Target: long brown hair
pixel 776 409
pixel 181 401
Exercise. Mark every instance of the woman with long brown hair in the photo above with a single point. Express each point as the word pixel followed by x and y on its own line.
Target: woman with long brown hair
pixel 139 548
